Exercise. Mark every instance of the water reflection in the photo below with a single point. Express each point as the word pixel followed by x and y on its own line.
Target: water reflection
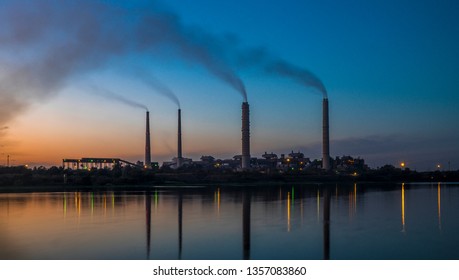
pixel 403 207
pixel 233 223
pixel 148 221
pixel 318 205
pixel 326 230
pixel 180 220
pixel 439 205
pixel 246 200
pixel 288 211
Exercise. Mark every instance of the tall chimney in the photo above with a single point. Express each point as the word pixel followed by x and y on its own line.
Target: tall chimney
pixel 179 140
pixel 147 142
pixel 245 163
pixel 325 137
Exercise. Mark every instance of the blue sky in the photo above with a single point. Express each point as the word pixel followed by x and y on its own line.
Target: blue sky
pixel 390 69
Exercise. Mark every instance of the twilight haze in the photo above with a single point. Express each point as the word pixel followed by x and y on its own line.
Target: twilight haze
pixel 390 70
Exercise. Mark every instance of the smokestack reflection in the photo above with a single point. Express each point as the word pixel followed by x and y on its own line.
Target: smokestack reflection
pixel 180 224
pixel 246 200
pixel 148 221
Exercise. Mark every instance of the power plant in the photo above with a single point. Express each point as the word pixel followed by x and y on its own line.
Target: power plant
pixel 245 160
pixel 295 161
pixel 147 142
pixel 179 140
pixel 325 137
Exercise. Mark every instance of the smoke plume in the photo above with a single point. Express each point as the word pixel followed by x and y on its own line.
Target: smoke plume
pixel 46 43
pixel 111 95
pixel 158 86
pixel 269 63
pixel 300 75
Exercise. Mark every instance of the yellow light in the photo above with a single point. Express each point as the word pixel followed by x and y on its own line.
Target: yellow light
pixel 439 205
pixel 318 205
pixel 288 211
pixel 438 165
pixel 403 207
pixel 288 159
pixel 402 164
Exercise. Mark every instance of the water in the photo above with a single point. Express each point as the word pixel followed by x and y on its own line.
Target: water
pixel 344 221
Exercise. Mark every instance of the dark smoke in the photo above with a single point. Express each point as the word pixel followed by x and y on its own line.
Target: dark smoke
pixel 111 95
pixel 4 128
pixel 300 75
pixel 160 88
pixel 267 62
pixel 192 44
pixel 46 43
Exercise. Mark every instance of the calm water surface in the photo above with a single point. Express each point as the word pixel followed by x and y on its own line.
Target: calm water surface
pixel 348 221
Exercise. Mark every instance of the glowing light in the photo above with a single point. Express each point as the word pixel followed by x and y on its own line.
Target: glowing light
pixel 318 205
pixel 403 207
pixel 402 164
pixel 65 205
pixel 439 205
pixel 355 197
pixel 288 211
pixel 438 166
pixel 79 205
pixel 217 199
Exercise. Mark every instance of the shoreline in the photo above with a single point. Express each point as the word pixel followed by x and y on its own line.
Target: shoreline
pixel 176 186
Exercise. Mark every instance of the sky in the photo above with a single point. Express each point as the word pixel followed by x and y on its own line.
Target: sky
pixel 389 68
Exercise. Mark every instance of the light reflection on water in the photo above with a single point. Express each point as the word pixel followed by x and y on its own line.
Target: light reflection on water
pixel 356 221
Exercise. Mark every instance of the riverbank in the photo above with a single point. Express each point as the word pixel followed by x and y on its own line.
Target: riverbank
pixel 56 179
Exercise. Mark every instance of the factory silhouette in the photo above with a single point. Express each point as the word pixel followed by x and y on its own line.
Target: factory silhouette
pixel 269 162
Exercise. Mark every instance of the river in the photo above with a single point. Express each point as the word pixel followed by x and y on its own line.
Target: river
pixel 296 221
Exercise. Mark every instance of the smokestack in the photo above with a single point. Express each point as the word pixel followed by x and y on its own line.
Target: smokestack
pixel 147 142
pixel 179 140
pixel 245 136
pixel 325 137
